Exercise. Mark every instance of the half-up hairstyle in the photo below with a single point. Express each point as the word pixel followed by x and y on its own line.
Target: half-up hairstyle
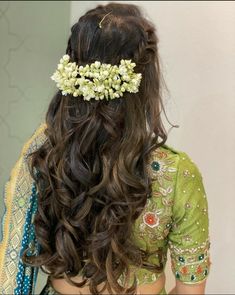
pixel 92 178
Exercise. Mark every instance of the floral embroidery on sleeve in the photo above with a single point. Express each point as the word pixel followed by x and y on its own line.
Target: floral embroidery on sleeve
pixel 191 265
pixel 188 240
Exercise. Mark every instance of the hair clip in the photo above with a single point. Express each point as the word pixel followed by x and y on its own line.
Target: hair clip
pixel 96 80
pixel 103 19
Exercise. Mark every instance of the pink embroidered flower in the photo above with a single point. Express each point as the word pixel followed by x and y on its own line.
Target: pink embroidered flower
pixel 151 219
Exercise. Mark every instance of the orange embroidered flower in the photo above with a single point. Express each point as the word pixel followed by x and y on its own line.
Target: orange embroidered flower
pixel 151 219
pixel 184 270
pixel 161 154
pixel 199 269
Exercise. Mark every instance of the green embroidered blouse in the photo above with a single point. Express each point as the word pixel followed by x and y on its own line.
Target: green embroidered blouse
pixel 174 218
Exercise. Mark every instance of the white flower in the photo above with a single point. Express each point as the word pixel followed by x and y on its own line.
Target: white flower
pixel 74 74
pixel 126 78
pixel 96 75
pixel 122 70
pixel 97 64
pixel 60 67
pixel 96 80
pixel 99 88
pixel 66 57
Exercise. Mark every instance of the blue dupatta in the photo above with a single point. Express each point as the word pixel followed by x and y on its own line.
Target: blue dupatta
pixel 20 200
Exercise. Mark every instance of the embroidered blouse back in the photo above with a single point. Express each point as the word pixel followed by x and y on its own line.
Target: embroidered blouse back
pixel 174 218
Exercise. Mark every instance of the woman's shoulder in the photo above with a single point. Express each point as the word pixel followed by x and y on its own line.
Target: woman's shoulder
pixel 35 140
pixel 168 151
pixel 173 167
pixel 168 155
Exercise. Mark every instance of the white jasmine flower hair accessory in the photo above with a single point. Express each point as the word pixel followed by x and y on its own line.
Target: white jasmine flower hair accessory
pixel 97 80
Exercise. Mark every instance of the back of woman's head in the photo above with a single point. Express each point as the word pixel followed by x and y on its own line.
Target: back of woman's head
pixel 92 178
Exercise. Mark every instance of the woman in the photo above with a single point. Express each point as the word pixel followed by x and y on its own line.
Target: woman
pixel 96 199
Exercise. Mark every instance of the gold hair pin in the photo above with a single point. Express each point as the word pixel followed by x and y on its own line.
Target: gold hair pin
pixel 103 19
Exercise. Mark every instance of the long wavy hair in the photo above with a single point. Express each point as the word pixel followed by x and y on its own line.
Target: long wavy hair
pixel 92 179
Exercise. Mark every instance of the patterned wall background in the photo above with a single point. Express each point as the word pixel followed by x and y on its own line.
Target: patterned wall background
pixel 33 38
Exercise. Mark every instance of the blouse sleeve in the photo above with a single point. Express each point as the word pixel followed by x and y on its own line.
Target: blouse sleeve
pixel 189 236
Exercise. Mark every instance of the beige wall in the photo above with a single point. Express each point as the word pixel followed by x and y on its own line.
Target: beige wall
pixel 197 47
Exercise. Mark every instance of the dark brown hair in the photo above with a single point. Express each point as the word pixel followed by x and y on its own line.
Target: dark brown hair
pixel 92 178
